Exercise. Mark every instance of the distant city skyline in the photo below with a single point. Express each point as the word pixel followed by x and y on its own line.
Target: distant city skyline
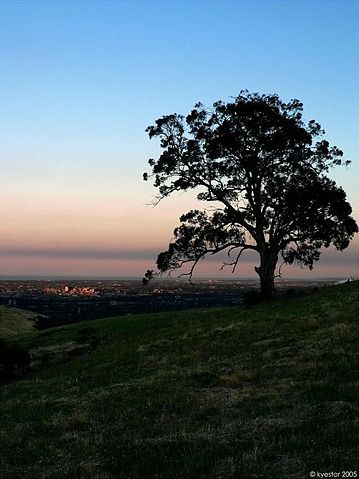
pixel 82 80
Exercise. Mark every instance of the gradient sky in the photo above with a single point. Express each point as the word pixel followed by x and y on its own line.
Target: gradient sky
pixel 80 81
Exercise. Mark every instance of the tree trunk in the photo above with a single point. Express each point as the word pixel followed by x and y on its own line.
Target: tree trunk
pixel 267 286
pixel 266 272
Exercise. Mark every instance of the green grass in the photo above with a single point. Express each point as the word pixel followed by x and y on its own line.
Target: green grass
pixel 14 321
pixel 265 392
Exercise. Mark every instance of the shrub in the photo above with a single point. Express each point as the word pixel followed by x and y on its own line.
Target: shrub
pixel 13 358
pixel 88 336
pixel 251 297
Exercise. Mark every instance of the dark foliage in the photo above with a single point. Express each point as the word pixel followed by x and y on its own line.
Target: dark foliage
pixel 85 334
pixel 55 320
pixel 264 172
pixel 14 359
pixel 88 336
pixel 251 297
pixel 148 276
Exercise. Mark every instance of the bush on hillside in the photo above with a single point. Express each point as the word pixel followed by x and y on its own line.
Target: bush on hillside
pixel 14 359
pixel 251 297
pixel 88 336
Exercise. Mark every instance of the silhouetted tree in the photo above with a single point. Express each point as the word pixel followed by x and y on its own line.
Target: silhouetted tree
pixel 264 171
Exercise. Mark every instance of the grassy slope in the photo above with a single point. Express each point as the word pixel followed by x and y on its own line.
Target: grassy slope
pixel 14 321
pixel 266 392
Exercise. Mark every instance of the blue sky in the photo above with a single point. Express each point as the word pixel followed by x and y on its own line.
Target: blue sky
pixel 81 81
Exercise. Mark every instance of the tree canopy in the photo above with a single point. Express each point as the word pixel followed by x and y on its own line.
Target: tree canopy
pixel 263 170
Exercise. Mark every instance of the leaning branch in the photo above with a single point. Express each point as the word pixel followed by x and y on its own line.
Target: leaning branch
pixel 279 275
pixel 235 262
pixel 213 252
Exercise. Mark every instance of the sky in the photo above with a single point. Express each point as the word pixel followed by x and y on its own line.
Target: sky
pixel 81 80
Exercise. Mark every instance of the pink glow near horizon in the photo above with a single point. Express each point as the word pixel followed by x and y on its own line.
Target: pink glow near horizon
pixel 110 233
pixel 94 225
pixel 332 264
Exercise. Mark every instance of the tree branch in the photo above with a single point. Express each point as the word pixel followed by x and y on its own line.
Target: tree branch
pixel 213 252
pixel 235 262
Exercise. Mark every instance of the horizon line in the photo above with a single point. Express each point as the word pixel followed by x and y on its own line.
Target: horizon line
pixel 9 277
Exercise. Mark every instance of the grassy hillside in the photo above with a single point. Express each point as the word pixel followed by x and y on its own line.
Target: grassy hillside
pixel 264 392
pixel 14 321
